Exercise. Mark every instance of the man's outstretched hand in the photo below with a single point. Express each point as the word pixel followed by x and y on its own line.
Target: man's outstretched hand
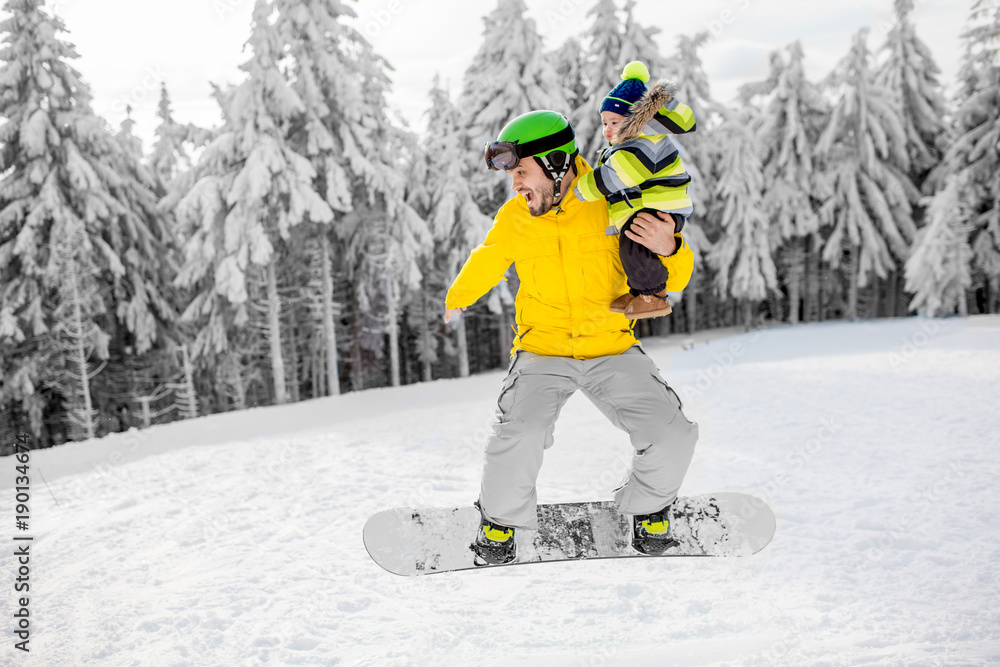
pixel 448 312
pixel 656 233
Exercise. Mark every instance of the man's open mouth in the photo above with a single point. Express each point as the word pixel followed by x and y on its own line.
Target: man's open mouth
pixel 528 197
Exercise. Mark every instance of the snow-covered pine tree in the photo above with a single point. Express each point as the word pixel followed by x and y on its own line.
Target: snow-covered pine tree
pixel 421 312
pixel 170 152
pixel 569 63
pixel 406 240
pixel 443 197
pixel 76 339
pixel 639 43
pixel 910 74
pixel 170 162
pixel 602 45
pixel 982 36
pixel 130 143
pixel 323 67
pixel 685 66
pixel 396 226
pixel 160 247
pixel 128 375
pixel 507 77
pixel 251 190
pixel 865 167
pixel 794 114
pixel 686 69
pixel 316 309
pixel 223 96
pixel 62 167
pixel 974 155
pixel 938 272
pixel 979 119
pixel 325 253
pixel 360 159
pixel 741 257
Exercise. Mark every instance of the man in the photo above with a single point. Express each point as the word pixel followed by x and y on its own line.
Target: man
pixel 567 339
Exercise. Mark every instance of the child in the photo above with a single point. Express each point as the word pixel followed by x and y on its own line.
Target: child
pixel 641 171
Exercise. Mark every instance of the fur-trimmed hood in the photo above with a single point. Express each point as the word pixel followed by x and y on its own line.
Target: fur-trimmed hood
pixel 646 109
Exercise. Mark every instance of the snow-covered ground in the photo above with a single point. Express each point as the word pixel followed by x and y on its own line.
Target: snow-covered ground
pixel 236 539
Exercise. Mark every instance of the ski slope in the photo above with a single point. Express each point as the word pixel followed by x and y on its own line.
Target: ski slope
pixel 236 539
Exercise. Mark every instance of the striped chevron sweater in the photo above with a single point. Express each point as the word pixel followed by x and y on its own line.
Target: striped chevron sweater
pixel 644 170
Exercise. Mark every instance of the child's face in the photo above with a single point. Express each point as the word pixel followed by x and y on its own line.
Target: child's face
pixel 611 121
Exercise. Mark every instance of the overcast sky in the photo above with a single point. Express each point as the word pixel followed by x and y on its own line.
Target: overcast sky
pixel 128 46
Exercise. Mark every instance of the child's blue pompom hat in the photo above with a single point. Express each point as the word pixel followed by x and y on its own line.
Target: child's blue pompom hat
pixel 629 91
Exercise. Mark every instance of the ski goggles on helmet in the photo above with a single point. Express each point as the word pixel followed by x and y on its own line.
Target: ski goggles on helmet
pixel 502 155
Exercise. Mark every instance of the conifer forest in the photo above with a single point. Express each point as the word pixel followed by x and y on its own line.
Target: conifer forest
pixel 303 247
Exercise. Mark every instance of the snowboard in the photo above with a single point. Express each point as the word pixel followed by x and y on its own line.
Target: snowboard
pixel 429 540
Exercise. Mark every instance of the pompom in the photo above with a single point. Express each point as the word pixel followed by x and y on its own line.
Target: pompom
pixel 635 70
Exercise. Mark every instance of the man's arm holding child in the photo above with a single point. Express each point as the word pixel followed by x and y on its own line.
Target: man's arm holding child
pixel 656 232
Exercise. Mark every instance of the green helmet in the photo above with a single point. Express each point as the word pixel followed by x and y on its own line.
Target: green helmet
pixel 545 135
pixel 536 125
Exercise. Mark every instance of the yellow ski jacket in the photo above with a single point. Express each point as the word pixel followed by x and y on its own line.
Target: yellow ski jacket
pixel 570 273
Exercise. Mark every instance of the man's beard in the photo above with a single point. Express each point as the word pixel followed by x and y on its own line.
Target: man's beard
pixel 546 199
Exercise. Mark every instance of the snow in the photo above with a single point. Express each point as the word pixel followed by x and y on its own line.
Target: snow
pixel 236 539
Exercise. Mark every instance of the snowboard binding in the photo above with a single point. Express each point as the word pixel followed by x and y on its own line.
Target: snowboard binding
pixel 494 544
pixel 651 533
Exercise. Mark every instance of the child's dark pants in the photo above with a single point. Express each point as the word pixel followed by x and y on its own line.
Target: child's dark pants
pixel 646 274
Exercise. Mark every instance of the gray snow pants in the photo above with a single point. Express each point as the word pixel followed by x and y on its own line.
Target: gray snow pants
pixel 627 388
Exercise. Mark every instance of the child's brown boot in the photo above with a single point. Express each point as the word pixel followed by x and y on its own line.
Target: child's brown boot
pixel 621 303
pixel 648 305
